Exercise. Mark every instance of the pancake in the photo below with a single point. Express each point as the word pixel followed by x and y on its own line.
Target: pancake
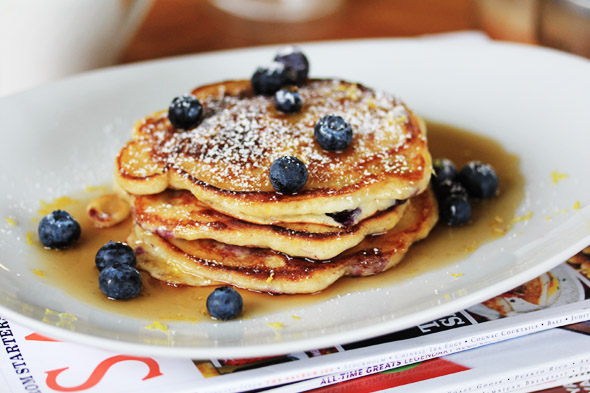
pixel 178 214
pixel 224 161
pixel 208 262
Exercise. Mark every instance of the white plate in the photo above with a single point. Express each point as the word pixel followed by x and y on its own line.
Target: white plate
pixel 58 138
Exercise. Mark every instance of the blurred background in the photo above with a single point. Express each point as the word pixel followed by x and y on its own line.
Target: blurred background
pixel 41 40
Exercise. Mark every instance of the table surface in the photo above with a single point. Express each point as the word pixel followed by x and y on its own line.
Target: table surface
pixel 177 27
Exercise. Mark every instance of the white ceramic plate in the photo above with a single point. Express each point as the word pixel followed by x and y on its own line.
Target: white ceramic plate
pixel 58 138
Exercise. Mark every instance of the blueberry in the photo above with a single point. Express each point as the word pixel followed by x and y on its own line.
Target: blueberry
pixel 267 80
pixel 455 210
pixel 120 282
pixel 443 169
pixel 450 187
pixel 288 174
pixel 479 179
pixel 185 112
pixel 296 64
pixel 112 253
pixel 333 133
pixel 59 230
pixel 224 303
pixel 288 101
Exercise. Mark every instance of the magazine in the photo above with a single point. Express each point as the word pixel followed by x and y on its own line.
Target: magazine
pixel 31 362
pixel 538 361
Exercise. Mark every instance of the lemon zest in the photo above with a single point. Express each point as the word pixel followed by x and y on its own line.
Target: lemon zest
pixel 556 176
pixel 29 238
pixel 59 203
pixel 39 273
pixel 275 325
pixel 525 217
pixel 157 325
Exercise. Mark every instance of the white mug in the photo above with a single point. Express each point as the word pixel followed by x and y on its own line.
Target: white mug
pixel 43 40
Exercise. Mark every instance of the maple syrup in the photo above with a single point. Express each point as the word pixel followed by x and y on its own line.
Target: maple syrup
pixel 74 271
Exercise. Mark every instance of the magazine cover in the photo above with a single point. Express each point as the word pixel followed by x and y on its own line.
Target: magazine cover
pixel 31 362
pixel 556 359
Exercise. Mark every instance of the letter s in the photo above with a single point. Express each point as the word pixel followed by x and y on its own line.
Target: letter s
pixel 99 372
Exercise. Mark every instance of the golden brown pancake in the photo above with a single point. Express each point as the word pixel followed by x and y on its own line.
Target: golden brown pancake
pixel 178 214
pixel 207 262
pixel 224 161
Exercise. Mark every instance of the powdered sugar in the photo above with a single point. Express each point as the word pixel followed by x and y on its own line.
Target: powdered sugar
pixel 239 137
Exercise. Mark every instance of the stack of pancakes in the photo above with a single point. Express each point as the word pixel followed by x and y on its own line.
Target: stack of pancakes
pixel 206 213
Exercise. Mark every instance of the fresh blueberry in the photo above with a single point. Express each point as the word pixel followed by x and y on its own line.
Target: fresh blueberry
pixel 296 64
pixel 288 174
pixel 443 169
pixel 455 210
pixel 59 230
pixel 114 252
pixel 479 179
pixel 288 101
pixel 449 187
pixel 224 303
pixel 267 80
pixel 333 133
pixel 120 282
pixel 185 112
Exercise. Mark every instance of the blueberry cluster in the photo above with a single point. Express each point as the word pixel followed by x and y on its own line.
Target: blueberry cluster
pixel 288 70
pixel 455 188
pixel 289 174
pixel 118 278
